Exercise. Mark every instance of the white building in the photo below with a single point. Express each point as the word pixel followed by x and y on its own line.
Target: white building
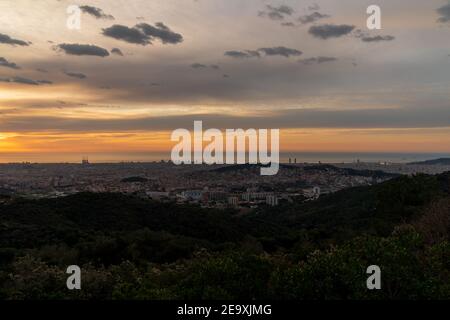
pixel 272 200
pixel 312 194
pixel 192 194
pixel 233 201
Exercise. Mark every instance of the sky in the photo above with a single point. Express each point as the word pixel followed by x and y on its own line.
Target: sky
pixel 138 69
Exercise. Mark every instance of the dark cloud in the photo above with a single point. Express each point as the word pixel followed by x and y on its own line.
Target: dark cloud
pixel 283 9
pixel 327 31
pixel 377 38
pixel 313 17
pixel 8 40
pixel 444 13
pixel 26 81
pixel 273 51
pixel 44 82
pixel 203 66
pixel 281 51
pixel 317 60
pixel 96 12
pixel 243 54
pixel 41 70
pixel 314 7
pixel 126 34
pixel 367 37
pixel 276 13
pixel 83 50
pixel 117 52
pixel 75 75
pixel 5 63
pixel 161 32
pixel 198 66
pixel 288 24
pixel 143 33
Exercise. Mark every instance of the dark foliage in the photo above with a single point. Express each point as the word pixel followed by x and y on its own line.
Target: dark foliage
pixel 130 248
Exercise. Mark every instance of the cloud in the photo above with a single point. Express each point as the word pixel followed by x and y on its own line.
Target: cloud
pixel 75 75
pixel 5 63
pixel 314 7
pixel 83 50
pixel 366 37
pixel 161 32
pixel 8 40
pixel 243 54
pixel 283 9
pixel 276 13
pixel 444 13
pixel 44 82
pixel 96 12
pixel 288 24
pixel 281 51
pixel 117 52
pixel 317 60
pixel 433 117
pixel 327 31
pixel 203 66
pixel 377 38
pixel 143 34
pixel 313 17
pixel 26 81
pixel 130 35
pixel 198 66
pixel 273 51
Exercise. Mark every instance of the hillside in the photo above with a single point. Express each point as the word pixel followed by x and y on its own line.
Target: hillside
pixel 187 246
pixel 313 167
pixel 440 161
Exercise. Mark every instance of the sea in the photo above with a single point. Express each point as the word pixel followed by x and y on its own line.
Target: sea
pixel 299 157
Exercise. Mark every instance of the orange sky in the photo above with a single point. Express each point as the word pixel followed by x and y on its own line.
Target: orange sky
pixel 378 96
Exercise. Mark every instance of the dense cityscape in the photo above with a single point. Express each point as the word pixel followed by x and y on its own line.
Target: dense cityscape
pixel 218 186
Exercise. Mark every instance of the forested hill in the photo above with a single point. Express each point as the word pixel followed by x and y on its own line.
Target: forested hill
pixel 376 209
pixel 440 161
pixel 104 231
pixel 308 168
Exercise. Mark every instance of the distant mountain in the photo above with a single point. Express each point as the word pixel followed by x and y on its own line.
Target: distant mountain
pixel 320 168
pixel 351 172
pixel 440 161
